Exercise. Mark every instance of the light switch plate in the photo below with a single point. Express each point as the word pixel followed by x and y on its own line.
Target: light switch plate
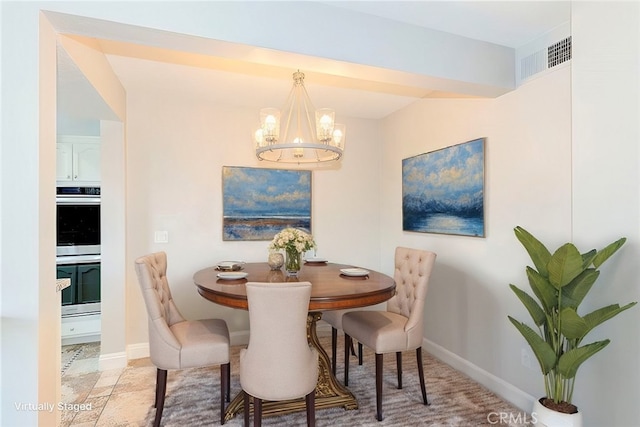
pixel 161 237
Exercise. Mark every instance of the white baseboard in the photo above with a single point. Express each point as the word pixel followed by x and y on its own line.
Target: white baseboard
pixel 138 351
pixel 112 361
pixel 80 339
pixel 505 390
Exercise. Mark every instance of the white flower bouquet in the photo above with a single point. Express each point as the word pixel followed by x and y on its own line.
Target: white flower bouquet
pixel 294 242
pixel 292 239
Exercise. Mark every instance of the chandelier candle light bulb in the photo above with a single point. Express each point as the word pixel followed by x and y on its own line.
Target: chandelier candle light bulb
pixel 338 134
pixel 324 124
pixel 298 152
pixel 269 126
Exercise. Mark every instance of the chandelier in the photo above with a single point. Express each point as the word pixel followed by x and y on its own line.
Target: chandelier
pixel 299 133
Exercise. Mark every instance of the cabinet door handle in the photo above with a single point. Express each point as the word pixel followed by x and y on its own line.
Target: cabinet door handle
pixel 75 164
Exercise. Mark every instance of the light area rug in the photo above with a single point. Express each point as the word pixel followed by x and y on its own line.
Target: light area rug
pixel 455 400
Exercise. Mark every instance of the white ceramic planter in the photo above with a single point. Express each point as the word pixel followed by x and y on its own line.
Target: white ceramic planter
pixel 541 416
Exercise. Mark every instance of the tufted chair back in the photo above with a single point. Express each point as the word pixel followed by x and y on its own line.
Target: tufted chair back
pixel 177 343
pixel 400 327
pixel 412 271
pixel 164 347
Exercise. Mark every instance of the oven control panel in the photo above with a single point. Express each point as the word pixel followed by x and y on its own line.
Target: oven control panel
pixel 78 191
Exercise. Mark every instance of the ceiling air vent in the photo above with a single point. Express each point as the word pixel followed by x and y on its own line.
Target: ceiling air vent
pixel 532 64
pixel 543 56
pixel 559 52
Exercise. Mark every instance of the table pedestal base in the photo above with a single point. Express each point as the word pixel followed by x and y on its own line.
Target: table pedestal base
pixel 329 392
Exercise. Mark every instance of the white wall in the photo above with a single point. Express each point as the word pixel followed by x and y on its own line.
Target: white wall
pixel 562 161
pixel 527 183
pixel 113 243
pixel 175 153
pixel 27 231
pixel 606 138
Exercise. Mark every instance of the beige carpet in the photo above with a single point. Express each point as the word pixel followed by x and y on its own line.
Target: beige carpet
pixel 192 397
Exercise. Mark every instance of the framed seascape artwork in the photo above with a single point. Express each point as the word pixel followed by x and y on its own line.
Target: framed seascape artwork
pixel 443 190
pixel 258 203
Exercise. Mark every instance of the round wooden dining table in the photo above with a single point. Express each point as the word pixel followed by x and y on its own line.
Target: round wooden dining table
pixel 331 290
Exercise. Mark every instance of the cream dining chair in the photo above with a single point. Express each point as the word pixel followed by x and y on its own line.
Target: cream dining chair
pixel 400 327
pixel 176 343
pixel 278 364
pixel 334 318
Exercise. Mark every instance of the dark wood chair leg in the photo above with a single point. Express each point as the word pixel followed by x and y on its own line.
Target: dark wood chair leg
pixel 257 412
pixel 359 353
pixel 161 389
pixel 399 366
pixel 421 375
pixel 311 408
pixel 228 372
pixel 246 408
pixel 379 359
pixel 334 351
pixel 347 343
pixel 224 385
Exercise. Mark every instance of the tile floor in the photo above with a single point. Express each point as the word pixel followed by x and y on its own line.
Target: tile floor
pixel 103 398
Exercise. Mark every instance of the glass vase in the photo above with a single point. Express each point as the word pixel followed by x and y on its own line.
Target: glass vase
pixel 292 262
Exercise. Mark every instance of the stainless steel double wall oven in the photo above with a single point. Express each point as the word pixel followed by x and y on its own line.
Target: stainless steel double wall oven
pixel 78 248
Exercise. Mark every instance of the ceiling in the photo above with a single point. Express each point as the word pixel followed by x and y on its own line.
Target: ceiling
pixel 506 23
pixel 511 23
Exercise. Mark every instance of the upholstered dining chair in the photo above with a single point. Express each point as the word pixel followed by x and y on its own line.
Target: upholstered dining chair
pixel 176 343
pixel 334 318
pixel 278 363
pixel 400 327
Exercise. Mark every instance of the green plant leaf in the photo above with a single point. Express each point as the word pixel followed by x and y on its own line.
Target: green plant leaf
pixel 605 253
pixel 561 282
pixel 564 266
pixel 570 361
pixel 538 253
pixel 532 306
pixel 587 258
pixel 542 350
pixel 541 287
pixel 603 314
pixel 572 325
pixel 574 292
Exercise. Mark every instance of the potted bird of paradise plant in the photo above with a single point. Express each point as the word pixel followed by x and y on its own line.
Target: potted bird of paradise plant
pixel 560 282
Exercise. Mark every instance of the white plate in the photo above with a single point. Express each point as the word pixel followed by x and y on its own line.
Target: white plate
pixel 232 275
pixel 354 272
pixel 315 260
pixel 230 265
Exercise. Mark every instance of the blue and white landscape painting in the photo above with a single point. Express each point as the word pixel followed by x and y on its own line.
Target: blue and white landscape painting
pixel 258 203
pixel 443 191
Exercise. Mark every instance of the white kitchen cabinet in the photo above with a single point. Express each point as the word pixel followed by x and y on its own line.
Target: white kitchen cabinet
pixel 78 160
pixel 80 329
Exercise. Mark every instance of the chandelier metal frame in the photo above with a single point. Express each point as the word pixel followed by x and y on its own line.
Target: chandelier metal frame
pixel 299 137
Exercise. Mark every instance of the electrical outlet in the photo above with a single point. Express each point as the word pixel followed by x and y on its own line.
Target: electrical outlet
pixel 525 358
